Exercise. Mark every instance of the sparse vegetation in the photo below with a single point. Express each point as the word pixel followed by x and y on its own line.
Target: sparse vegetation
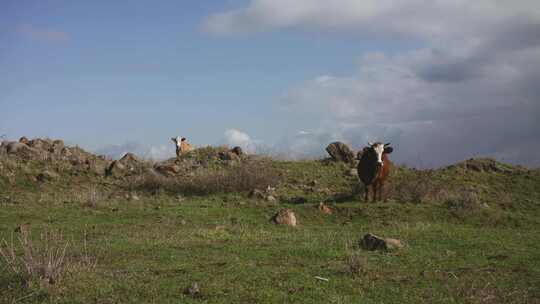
pixel 243 177
pixel 471 235
pixel 41 263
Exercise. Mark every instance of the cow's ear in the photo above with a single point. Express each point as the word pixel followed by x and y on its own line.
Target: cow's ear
pixel 388 150
pixel 173 139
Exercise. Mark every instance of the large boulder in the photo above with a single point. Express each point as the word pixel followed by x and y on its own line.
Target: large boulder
pixel 16 147
pixel 23 151
pixel 340 152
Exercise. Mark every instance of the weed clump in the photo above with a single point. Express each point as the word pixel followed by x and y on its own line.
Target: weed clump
pixel 356 264
pixel 42 264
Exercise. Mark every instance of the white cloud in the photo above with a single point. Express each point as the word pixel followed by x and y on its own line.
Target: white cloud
pixel 472 89
pixel 234 137
pixel 437 107
pixel 373 17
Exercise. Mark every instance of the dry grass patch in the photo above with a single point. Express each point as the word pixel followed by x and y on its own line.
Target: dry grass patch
pixel 244 177
pixel 42 263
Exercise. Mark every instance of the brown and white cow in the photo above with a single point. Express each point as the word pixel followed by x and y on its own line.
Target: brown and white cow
pixel 374 167
pixel 182 145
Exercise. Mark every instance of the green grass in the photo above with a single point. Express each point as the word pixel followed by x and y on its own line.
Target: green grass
pixel 150 250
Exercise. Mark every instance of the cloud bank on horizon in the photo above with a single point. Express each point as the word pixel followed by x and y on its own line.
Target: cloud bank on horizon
pixel 471 89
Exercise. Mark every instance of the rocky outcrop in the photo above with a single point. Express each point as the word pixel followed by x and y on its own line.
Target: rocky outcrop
pixel 340 152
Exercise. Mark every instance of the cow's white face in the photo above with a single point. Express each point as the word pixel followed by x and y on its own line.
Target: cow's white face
pixel 379 149
pixel 177 141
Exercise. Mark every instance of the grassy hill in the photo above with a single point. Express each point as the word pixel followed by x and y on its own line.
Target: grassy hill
pixel 144 234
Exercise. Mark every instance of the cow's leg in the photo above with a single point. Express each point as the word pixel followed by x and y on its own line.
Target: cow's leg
pixel 366 193
pixel 381 193
pixel 374 194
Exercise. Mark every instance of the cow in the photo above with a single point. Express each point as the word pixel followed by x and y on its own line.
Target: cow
pixel 182 145
pixel 374 167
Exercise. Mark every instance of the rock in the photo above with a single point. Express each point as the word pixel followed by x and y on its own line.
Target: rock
pixel 22 228
pixel 298 200
pixel 23 151
pixel 168 168
pixel 285 217
pixel 258 194
pixel 392 244
pixel 228 156
pixel 40 144
pixel 15 147
pixel 237 150
pixel 193 290
pixel 271 199
pixel 47 176
pixel 373 242
pixel 98 166
pixel 57 147
pixel 127 165
pixel 340 152
pixel 324 209
pixel 24 140
pixel 353 172
pixel 132 196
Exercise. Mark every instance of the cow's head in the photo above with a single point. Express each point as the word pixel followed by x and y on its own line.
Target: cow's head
pixel 177 140
pixel 379 149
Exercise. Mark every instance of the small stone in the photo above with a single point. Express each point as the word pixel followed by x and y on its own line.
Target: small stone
pixel 324 209
pixel 256 193
pixel 47 175
pixel 271 199
pixel 285 217
pixel 299 200
pixel 373 242
pixel 193 290
pixel 392 244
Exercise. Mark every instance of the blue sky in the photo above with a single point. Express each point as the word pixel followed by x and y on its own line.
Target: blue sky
pixel 285 78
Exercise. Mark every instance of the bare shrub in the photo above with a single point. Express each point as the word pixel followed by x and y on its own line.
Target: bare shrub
pixel 356 264
pixel 89 197
pixel 465 201
pixel 84 260
pixel 244 177
pixel 43 263
pixel 419 188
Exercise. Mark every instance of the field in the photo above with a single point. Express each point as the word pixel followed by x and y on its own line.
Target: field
pixel 471 234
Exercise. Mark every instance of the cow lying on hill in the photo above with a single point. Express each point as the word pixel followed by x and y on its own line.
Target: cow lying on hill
pixel 374 167
pixel 182 145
